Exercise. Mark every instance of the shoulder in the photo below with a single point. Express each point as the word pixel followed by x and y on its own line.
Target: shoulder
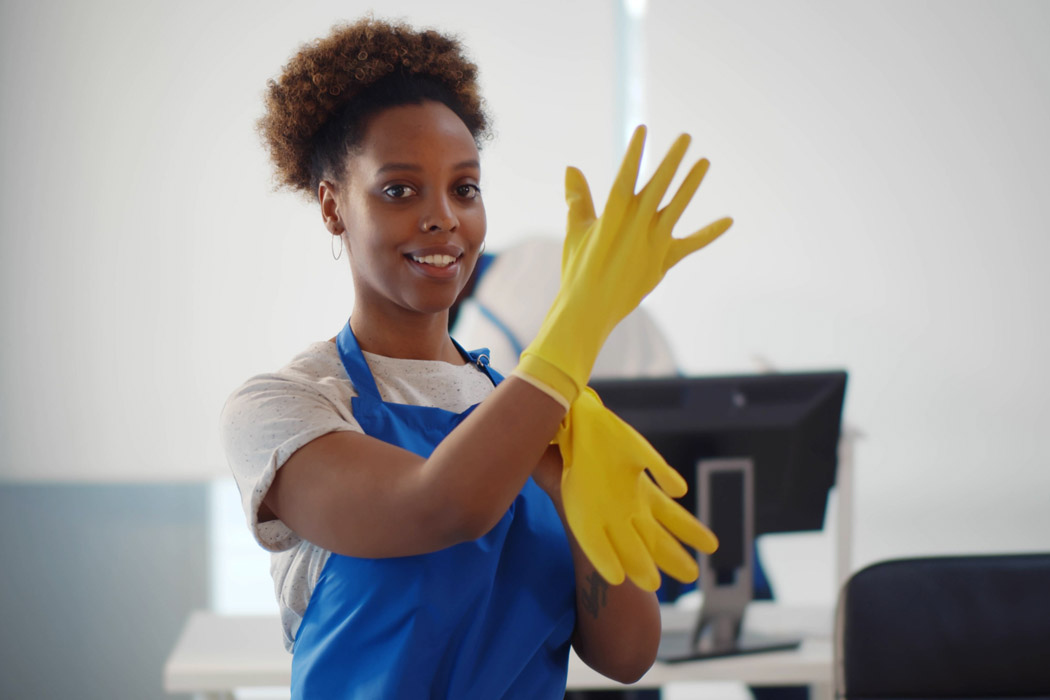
pixel 315 373
pixel 318 365
pixel 270 415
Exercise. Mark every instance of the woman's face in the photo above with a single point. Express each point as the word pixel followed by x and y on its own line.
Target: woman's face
pixel 411 206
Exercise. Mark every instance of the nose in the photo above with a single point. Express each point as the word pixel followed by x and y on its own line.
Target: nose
pixel 439 216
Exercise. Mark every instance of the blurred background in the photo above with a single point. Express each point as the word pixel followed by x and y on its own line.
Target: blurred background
pixel 885 164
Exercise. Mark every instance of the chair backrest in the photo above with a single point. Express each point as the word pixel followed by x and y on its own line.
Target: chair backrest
pixel 945 627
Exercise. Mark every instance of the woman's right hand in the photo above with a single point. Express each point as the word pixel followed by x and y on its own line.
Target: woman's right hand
pixel 610 263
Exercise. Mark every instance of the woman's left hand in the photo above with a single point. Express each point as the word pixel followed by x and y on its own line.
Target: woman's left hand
pixel 626 522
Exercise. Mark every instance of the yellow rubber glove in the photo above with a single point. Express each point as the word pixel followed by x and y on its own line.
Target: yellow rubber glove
pixel 625 523
pixel 609 264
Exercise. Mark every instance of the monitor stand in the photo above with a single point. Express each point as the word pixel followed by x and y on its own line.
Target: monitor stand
pixel 726 503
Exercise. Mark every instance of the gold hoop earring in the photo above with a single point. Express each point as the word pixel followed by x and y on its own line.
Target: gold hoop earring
pixel 336 254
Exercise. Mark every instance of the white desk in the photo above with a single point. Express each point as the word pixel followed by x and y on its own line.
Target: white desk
pixel 216 654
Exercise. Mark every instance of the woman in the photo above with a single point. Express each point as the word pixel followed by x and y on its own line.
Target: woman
pixel 411 497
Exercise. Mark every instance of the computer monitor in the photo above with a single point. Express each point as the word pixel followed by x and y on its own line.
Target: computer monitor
pixel 759 453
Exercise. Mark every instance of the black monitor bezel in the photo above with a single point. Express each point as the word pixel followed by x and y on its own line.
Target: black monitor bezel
pixel 792 420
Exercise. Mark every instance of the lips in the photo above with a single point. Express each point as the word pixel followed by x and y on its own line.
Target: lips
pixel 450 250
pixel 436 261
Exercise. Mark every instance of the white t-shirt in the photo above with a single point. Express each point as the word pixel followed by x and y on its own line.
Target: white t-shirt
pixel 272 415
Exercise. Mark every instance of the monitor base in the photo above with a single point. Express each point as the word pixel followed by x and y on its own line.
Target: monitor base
pixel 677 646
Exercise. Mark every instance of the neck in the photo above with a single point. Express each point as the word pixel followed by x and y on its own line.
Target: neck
pixel 410 336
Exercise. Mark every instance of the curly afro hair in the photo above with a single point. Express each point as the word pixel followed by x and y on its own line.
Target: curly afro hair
pixel 317 108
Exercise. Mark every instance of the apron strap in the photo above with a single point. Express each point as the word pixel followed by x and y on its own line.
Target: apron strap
pixel 480 358
pixel 355 365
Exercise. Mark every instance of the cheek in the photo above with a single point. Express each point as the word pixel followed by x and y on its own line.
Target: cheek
pixel 360 230
pixel 478 222
pixel 360 247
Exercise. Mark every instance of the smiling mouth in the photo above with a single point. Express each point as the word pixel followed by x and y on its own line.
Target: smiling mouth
pixel 439 261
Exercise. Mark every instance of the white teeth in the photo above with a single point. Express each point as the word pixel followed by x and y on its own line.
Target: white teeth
pixel 435 260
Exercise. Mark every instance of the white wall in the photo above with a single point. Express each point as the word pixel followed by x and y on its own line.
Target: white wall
pixel 886 165
pixel 884 162
pixel 146 266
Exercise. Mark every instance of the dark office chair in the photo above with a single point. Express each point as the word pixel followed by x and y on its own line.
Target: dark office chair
pixel 945 627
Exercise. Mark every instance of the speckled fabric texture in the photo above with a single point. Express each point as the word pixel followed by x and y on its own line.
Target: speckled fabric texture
pixel 272 415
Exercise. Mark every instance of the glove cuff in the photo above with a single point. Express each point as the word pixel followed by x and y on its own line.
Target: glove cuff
pixel 547 378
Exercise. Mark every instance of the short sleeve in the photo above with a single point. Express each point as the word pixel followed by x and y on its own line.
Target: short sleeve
pixel 262 424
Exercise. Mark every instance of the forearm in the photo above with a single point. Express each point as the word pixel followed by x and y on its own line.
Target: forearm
pixel 617 627
pixel 483 464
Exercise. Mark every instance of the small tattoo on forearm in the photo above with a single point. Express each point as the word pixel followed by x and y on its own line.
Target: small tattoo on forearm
pixel 594 599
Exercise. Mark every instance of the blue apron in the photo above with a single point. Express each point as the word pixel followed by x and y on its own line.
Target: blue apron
pixel 492 618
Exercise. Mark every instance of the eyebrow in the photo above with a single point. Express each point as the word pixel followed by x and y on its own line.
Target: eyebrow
pixel 416 168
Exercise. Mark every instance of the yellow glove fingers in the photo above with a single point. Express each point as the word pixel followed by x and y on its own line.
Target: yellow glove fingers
pixel 681 247
pixel 670 214
pixel 626 179
pixel 666 552
pixel 581 208
pixel 653 192
pixel 634 555
pixel 645 456
pixel 595 543
pixel 680 522
pixel 640 452
pixel 666 476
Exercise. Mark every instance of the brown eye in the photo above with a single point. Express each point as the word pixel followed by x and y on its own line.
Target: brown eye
pixel 468 191
pixel 398 191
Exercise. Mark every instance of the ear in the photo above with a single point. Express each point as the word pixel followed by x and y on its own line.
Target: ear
pixel 326 196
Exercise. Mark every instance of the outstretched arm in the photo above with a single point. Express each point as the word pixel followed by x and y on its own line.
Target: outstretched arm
pixel 359 496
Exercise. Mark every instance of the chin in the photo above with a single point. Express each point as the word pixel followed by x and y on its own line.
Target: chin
pixel 431 306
